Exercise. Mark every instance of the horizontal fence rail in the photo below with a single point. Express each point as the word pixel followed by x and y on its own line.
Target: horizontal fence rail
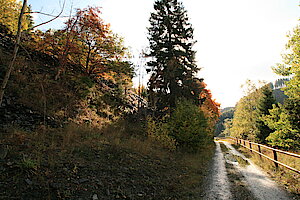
pixel 275 151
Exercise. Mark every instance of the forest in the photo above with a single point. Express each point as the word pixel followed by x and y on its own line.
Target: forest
pixel 74 127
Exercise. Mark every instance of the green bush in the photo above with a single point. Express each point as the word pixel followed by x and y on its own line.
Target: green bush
pixel 185 128
pixel 188 126
pixel 159 131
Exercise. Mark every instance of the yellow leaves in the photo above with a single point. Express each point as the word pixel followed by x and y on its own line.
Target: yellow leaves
pixel 9 14
pixel 108 75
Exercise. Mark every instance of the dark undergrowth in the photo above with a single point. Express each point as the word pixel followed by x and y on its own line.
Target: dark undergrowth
pixel 80 162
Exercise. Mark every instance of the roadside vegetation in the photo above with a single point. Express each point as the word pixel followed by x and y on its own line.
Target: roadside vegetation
pixel 264 115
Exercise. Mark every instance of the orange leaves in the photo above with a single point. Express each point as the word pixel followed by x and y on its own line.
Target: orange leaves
pixel 86 45
pixel 98 45
pixel 210 107
pixel 86 41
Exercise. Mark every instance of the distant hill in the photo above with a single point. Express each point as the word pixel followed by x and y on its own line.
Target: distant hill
pixel 279 95
pixel 224 110
pixel 226 113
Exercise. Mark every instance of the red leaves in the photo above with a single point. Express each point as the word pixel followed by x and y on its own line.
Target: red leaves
pixel 210 107
pixel 86 42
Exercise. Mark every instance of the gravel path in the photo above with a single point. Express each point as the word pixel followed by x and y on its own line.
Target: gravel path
pixel 232 179
pixel 218 184
pixel 259 183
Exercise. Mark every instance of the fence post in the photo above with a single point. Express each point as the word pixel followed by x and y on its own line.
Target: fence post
pixel 250 145
pixel 275 158
pixel 259 150
pixel 244 143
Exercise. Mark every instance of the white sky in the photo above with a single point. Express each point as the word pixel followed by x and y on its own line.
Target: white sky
pixel 237 39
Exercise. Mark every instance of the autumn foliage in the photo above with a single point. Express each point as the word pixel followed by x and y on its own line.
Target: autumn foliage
pixel 78 73
pixel 210 107
pixel 87 43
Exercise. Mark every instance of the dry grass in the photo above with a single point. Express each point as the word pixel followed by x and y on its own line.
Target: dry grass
pixel 47 154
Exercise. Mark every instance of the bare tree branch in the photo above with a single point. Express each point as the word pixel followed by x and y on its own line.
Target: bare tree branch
pixel 57 16
pixel 17 44
pixel 47 14
pixel 16 48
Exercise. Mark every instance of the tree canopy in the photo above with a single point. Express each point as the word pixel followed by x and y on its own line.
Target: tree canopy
pixel 290 66
pixel 285 119
pixel 173 60
pixel 88 43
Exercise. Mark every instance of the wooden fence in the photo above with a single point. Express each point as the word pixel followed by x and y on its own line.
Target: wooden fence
pixel 275 151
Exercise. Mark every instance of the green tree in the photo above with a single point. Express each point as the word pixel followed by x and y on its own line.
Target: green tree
pixel 227 127
pixel 226 114
pixel 247 122
pixel 244 120
pixel 173 64
pixel 264 104
pixel 290 66
pixel 286 134
pixel 285 119
pixel 188 126
pixel 245 115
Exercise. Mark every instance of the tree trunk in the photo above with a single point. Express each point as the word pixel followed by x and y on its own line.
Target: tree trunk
pixel 15 52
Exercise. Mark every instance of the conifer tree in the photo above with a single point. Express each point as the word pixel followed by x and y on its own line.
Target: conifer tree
pixel 284 119
pixel 264 104
pixel 173 65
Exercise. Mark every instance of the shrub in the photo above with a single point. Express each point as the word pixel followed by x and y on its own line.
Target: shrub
pixel 185 128
pixel 188 125
pixel 28 164
pixel 159 131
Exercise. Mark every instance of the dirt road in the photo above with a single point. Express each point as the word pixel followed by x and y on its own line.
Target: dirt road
pixel 233 176
pixel 219 187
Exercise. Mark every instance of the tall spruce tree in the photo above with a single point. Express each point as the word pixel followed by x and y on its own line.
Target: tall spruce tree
pixel 173 65
pixel 264 104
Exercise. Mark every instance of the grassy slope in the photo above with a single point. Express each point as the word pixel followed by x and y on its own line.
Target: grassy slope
pixel 79 162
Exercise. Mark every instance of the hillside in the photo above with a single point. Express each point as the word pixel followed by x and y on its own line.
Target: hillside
pixel 226 113
pixel 70 135
pixel 81 163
